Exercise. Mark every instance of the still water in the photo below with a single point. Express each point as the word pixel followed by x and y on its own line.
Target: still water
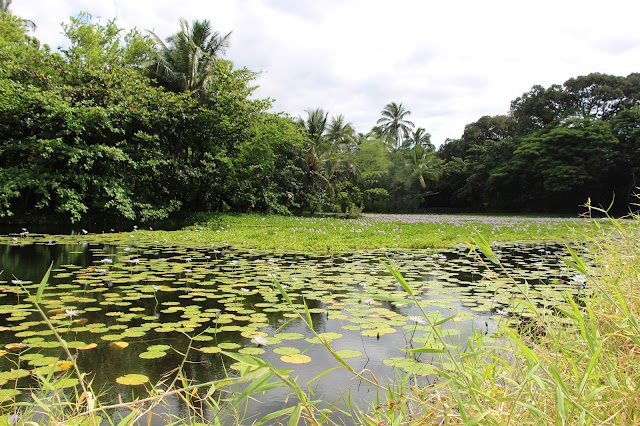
pixel 146 306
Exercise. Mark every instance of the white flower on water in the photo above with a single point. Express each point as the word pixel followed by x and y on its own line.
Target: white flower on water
pixel 246 290
pixel 16 281
pixel 84 231
pixel 155 287
pixel 135 261
pixel 417 320
pixel 260 340
pixel 367 301
pixel 106 260
pixel 71 312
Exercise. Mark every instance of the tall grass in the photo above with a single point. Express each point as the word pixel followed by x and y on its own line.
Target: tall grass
pixel 579 366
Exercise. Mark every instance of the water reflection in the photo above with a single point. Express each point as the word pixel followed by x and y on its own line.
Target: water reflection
pixel 190 299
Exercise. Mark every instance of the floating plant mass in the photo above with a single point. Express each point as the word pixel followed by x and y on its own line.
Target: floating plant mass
pixel 130 308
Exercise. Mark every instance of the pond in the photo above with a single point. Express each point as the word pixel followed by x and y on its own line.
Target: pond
pixel 138 306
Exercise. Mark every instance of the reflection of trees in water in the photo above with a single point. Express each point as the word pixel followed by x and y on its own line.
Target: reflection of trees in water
pixel 30 262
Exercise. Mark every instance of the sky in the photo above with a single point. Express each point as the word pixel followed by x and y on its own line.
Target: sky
pixel 448 62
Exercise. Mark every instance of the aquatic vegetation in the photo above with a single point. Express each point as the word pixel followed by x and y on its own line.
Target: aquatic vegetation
pixel 201 303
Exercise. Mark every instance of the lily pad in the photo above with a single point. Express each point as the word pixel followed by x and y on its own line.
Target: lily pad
pixel 132 379
pixel 296 359
pixel 211 350
pixel 88 346
pixel 152 355
pixel 286 350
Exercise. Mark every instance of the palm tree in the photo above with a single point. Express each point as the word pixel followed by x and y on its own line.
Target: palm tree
pixel 419 137
pixel 315 127
pixel 343 139
pixel 185 61
pixel 4 10
pixel 422 165
pixel 393 125
pixel 342 135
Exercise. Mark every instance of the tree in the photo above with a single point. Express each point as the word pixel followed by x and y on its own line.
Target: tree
pixel 419 137
pixel 539 107
pixel 420 165
pixel 185 62
pixel 565 165
pixel 267 174
pixel 595 95
pixel 342 135
pixel 626 127
pixel 92 44
pixel 5 13
pixel 393 125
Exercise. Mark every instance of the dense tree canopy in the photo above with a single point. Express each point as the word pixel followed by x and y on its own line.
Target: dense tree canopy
pixel 125 125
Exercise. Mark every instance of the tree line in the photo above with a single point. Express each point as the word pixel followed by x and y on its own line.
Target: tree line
pixel 126 125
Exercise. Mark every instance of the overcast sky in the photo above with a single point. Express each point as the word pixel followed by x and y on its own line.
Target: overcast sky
pixel 448 62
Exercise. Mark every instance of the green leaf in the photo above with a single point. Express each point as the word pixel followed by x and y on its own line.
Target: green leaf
pixel 577 263
pixel 246 359
pixel 485 248
pixel 43 284
pixel 426 350
pixel 283 292
pixel 396 274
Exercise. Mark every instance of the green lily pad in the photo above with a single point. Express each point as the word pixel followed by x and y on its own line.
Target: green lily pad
pixel 162 348
pixel 211 350
pixel 152 354
pixel 132 379
pixel 296 359
pixel 286 350
pixel 229 345
pixel 15 374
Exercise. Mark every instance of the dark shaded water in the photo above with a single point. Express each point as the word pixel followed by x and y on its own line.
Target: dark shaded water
pixel 193 300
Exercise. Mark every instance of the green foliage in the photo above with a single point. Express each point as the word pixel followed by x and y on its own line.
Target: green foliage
pixel 88 133
pixel 127 126
pixel 266 174
pixel 186 62
pixel 393 126
pixel 556 148
pixel 92 44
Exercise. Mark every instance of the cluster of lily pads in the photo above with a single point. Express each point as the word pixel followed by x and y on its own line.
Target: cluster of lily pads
pixel 129 309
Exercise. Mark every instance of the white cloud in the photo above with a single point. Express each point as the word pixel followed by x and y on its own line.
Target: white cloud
pixel 448 62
